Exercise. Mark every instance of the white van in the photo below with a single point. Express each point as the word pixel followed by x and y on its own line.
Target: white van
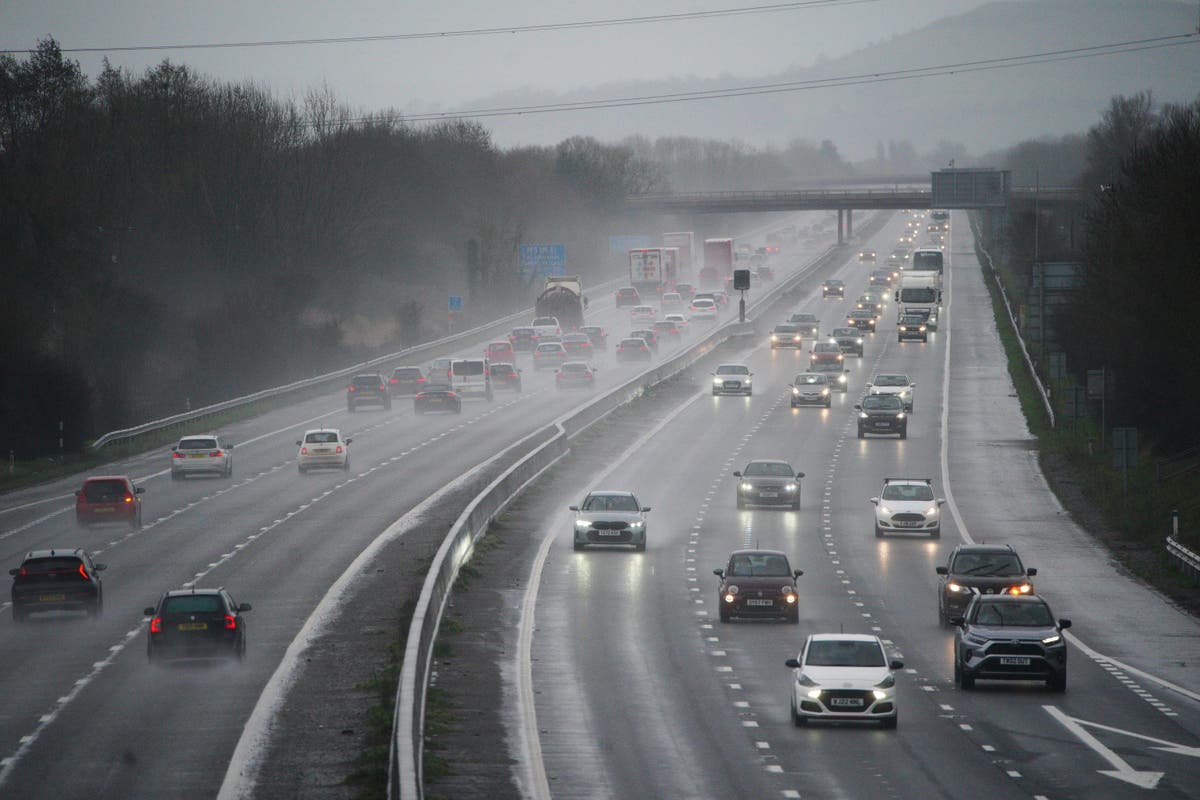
pixel 471 377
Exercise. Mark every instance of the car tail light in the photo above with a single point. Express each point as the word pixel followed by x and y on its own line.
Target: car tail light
pixel 230 622
pixel 156 625
pixel 392 381
pixel 216 454
pixel 587 374
pixel 421 379
pixel 303 451
pixel 351 388
pixel 24 572
pixel 451 394
pixel 644 349
pixel 512 374
pixel 339 449
pixel 177 454
pixel 83 572
pixel 128 497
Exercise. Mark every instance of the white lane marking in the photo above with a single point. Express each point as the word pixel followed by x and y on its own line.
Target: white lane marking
pixel 1101 659
pixel 33 522
pixel 1121 769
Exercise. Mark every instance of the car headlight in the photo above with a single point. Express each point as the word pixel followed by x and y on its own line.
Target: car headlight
pixel 774 338
pixel 958 588
pixel 931 511
pixel 858 341
pixel 814 694
pixel 1055 639
pixel 824 392
pixel 841 378
pixel 717 381
pixel 921 329
pixel 879 694
pixel 900 415
pixel 885 510
pixel 862 415
pixel 583 523
pixel 790 487
pixel 747 487
pixel 795 390
pixel 748 381
pixel 886 683
pixel 904 393
pixel 637 525
pixel 1024 588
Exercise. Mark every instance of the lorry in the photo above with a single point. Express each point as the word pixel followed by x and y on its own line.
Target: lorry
pixel 646 270
pixel 920 292
pixel 718 263
pixel 563 298
pixel 686 242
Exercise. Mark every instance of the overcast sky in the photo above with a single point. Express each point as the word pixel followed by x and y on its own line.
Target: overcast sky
pixel 433 74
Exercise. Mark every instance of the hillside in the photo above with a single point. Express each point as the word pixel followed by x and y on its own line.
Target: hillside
pixel 983 110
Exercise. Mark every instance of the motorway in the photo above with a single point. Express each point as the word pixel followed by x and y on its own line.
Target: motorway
pixel 86 715
pixel 639 691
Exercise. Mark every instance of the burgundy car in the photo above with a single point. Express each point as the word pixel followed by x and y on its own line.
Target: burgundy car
pixel 758 584
pixel 109 498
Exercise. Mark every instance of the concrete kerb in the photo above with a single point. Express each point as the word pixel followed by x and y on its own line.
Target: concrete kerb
pixel 405 775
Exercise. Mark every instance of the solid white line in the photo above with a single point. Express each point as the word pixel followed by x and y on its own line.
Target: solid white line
pixel 1098 656
pixel 538 782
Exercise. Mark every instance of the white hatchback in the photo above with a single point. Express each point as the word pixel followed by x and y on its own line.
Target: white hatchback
pixel 844 676
pixel 703 309
pixel 642 314
pixel 323 448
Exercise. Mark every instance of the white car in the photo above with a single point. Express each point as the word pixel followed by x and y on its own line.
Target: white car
pixel 894 383
pixel 703 309
pixel 733 379
pixel 546 326
pixel 642 314
pixel 608 517
pixel 844 676
pixel 907 505
pixel 680 321
pixel 199 455
pixel 323 448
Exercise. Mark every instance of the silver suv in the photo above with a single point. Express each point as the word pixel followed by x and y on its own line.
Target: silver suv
pixel 205 454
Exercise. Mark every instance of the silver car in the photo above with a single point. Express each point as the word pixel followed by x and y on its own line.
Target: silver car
pixel 205 454
pixel 609 517
pixel 733 379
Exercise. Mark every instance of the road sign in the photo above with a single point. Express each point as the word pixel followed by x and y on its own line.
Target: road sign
pixel 1124 444
pixel 970 188
pixel 455 304
pixel 543 259
pixel 1097 381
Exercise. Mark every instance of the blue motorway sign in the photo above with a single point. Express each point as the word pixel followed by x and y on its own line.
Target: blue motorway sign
pixel 455 303
pixel 543 259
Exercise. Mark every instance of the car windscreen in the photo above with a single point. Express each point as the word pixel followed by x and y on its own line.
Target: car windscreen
pixel 803 319
pixel 193 604
pixel 918 294
pixel 550 347
pixel 773 468
pixel 1013 615
pixel 466 368
pixel 633 342
pixel 197 444
pixel 915 492
pixel 434 388
pixel 844 654
pixel 407 372
pixel 911 319
pixel 366 381
pixel 890 380
pixel 37 566
pixel 727 369
pixel 756 565
pixel 545 321
pixel 580 368
pixel 986 564
pixel 321 437
pixel 103 491
pixel 809 380
pixel 826 347
pixel 785 329
pixel 846 332
pixel 610 502
pixel 882 402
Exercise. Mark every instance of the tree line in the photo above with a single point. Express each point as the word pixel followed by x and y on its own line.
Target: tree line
pixel 1136 239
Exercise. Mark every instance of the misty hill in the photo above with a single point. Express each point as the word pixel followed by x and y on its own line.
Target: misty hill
pixel 983 110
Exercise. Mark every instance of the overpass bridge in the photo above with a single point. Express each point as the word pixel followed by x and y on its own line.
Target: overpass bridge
pixel 948 189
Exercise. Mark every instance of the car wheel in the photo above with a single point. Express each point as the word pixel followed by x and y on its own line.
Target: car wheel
pixel 418 410
pixel 18 614
pixel 387 406
pixel 904 433
pixel 741 503
pixel 935 534
pixel 458 409
pixel 715 393
pixel 798 720
pixel 829 404
pixel 889 723
pixel 578 546
pixel 346 466
pixel 96 609
pixel 136 522
pixel 861 435
pixel 350 407
pixel 796 505
pixel 965 681
pixel 878 532
pixel 750 393
pixel 641 548
pixel 794 617
pixel 723 614
pixel 1058 683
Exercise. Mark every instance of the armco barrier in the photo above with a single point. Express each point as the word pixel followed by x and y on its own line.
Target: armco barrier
pixel 1184 558
pixel 537 453
pixel 438 347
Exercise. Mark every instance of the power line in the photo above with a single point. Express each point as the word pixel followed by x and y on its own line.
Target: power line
pixel 1007 62
pixel 465 32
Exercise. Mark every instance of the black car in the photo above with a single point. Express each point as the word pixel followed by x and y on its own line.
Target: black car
pixel 881 279
pixel 912 326
pixel 833 288
pixel 768 482
pixel 368 389
pixel 633 348
pixel 648 335
pixel 984 569
pixel 523 339
pixel 861 318
pixel 437 397
pixel 628 296
pixel 834 373
pixel 597 334
pixel 1008 637
pixel 57 580
pixel 882 413
pixel 758 584
pixel 808 324
pixel 506 376
pixel 196 623
pixel 665 327
pixel 406 381
pixel 850 340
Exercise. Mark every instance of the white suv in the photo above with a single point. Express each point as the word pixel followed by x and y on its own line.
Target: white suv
pixel 907 505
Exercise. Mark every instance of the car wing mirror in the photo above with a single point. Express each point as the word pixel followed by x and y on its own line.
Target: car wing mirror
pixel 896 664
pixel 572 508
pixel 99 567
pixel 858 406
pixel 941 501
pixel 941 570
pixel 148 612
pixel 15 571
pixel 173 448
pixel 799 474
pixel 77 493
pixel 793 663
pixel 645 509
pixel 874 500
pixel 348 441
pixel 869 385
pixel 139 490
pixel 244 607
pixel 796 573
pixel 720 573
pixel 737 473
pixel 1064 623
pixel 1031 571
pixel 958 621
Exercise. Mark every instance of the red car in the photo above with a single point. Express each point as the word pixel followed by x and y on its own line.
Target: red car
pixel 826 353
pixel 500 351
pixel 109 498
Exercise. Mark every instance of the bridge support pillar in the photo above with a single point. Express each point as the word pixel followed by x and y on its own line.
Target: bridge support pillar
pixel 840 229
pixel 849 223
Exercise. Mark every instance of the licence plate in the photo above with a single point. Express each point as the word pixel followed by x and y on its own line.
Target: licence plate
pixel 51 598
pixel 1014 661
pixel 103 510
pixel 196 455
pixel 845 702
pixel 608 533
pixel 760 602
pixel 193 626
pixel 883 424
pixel 433 399
pixel 768 494
pixel 906 524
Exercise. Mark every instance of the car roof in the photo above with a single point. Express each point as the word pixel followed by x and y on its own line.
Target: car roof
pixel 574 336
pixel 501 342
pixel 501 364
pixel 321 430
pixel 56 552
pixel 844 637
pixel 634 339
pixel 757 551
pixel 190 592
pixel 1009 598
pixel 583 364
pixel 985 548
pixel 106 478
pixel 611 492
pixel 908 481
pixel 733 364
pixel 768 461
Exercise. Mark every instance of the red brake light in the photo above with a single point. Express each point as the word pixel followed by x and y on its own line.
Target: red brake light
pixel 393 381
pixel 303 451
pixel 586 375
pixel 351 388
pixel 83 572
pixel 421 379
pixel 339 449
pixel 24 572
pixel 230 622
pixel 177 454
pixel 382 387
pixel 156 625
pixel 512 374
pixel 216 454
